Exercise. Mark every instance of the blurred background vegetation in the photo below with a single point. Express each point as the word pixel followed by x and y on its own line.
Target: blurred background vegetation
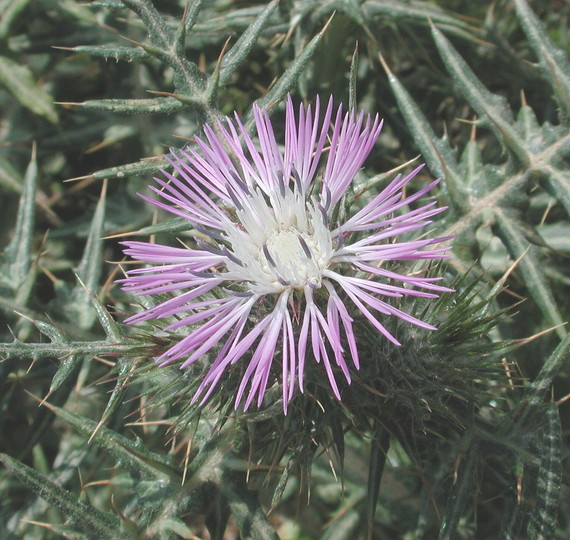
pixel 92 94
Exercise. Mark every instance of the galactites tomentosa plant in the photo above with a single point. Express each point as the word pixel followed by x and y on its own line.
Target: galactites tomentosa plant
pixel 293 278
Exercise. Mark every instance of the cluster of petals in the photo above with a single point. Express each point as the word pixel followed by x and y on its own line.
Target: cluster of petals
pixel 273 279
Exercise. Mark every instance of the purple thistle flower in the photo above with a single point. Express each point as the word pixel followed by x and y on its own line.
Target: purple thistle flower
pixel 269 237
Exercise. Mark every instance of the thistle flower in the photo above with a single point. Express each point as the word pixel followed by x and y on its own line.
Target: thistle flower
pixel 290 279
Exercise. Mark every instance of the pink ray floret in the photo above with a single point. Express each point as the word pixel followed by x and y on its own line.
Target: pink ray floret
pixel 291 283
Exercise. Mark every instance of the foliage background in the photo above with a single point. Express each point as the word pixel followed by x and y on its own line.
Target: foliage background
pixel 481 89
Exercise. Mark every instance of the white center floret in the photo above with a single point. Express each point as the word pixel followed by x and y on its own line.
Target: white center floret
pixel 294 258
pixel 278 246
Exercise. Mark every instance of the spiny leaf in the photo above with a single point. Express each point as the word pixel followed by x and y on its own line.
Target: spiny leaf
pixel 438 154
pixel 530 267
pixel 189 81
pixel 17 349
pixel 239 52
pixel 67 364
pixel 55 335
pixel 89 267
pixel 114 4
pixel 247 512
pixel 473 167
pixel 19 81
pixel 132 106
pixel 192 11
pixel 170 225
pixel 278 91
pixel 352 78
pixel 282 483
pixel 490 107
pixel 556 183
pixel 153 21
pixel 9 176
pixel 125 365
pixel 460 493
pixel 553 61
pixel 127 453
pixel 531 130
pixel 102 524
pixel 43 418
pixel 110 51
pixel 540 387
pixel 18 251
pixel 418 12
pixel 378 454
pixel 111 327
pixel 10 13
pixel 64 470
pixel 146 166
pixel 79 306
pixel 66 367
pixel 543 520
pixel 17 256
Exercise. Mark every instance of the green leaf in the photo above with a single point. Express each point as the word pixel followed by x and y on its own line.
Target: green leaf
pixel 556 183
pixel 491 108
pixel 162 105
pixel 101 524
pixel 19 81
pixel 17 256
pixel 239 52
pixel 10 178
pixel 10 12
pixel 352 78
pixel 66 367
pixel 460 493
pixel 189 81
pixel 64 471
pixel 473 167
pixel 113 4
pixel 419 12
pixel 17 349
pixel 89 269
pixel 145 166
pixel 539 390
pixel 111 327
pixel 192 12
pixel 438 154
pixel 544 518
pixel 247 512
pixel 153 21
pixel 123 367
pixel 67 364
pixel 79 304
pixel 170 225
pixel 278 91
pixel 43 418
pixel 128 453
pixel 282 483
pixel 18 250
pixel 111 51
pixel 552 60
pixel 378 453
pixel 530 267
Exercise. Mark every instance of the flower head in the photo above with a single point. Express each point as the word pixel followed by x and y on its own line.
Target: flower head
pixel 291 278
